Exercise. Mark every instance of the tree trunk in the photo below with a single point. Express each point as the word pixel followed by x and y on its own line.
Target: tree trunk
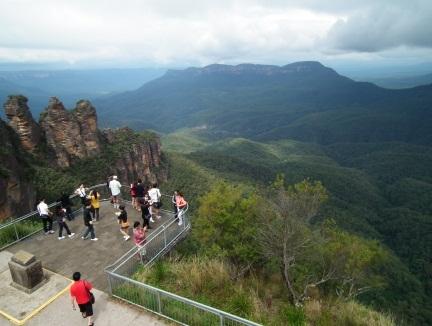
pixel 286 266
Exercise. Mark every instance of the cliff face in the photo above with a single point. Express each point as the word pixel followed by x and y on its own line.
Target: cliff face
pixel 22 122
pixel 17 194
pixel 137 155
pixel 70 135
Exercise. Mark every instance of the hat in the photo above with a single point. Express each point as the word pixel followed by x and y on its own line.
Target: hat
pixel 114 177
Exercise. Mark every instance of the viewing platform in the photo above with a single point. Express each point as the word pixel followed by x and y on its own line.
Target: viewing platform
pixel 88 257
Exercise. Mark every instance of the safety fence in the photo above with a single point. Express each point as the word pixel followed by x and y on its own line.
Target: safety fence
pixel 184 311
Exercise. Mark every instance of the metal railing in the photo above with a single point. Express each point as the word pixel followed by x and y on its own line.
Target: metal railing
pixel 169 305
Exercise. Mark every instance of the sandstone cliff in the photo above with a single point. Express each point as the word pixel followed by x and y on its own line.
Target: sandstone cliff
pixel 137 155
pixel 70 135
pixel 17 194
pixel 22 122
pixel 69 140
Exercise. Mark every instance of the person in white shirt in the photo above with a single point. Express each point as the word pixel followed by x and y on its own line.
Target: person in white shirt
pixel 115 186
pixel 45 216
pixel 155 197
pixel 81 192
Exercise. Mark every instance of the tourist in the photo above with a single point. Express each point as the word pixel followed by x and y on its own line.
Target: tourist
pixel 174 202
pixel 66 203
pixel 88 222
pixel 95 204
pixel 61 220
pixel 80 292
pixel 155 197
pixel 145 212
pixel 139 237
pixel 123 221
pixel 133 194
pixel 140 192
pixel 115 186
pixel 45 215
pixel 81 192
pixel 181 205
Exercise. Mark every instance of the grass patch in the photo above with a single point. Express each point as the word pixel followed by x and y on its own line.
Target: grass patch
pixel 9 234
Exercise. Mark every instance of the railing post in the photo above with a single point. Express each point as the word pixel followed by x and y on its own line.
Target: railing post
pixel 221 319
pixel 16 232
pixel 165 239
pixel 109 284
pixel 159 302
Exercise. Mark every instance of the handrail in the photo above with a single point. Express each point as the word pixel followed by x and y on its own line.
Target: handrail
pixel 186 300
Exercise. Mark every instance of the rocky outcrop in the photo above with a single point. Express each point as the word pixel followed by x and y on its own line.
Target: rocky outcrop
pixel 22 121
pixel 70 135
pixel 137 155
pixel 86 117
pixel 66 138
pixel 17 195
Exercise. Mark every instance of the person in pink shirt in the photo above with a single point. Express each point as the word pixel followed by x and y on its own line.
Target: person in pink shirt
pixel 139 237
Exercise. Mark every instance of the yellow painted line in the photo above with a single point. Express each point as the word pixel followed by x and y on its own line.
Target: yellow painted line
pixel 37 310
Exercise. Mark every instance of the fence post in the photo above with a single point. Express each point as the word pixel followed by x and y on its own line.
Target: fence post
pixel 16 232
pixel 159 302
pixel 109 284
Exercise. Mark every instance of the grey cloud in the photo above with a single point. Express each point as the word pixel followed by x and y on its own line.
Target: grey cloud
pixel 382 27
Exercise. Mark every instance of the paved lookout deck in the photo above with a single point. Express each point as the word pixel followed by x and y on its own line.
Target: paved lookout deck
pixel 88 257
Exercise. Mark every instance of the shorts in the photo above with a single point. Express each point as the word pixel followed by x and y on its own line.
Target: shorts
pixel 87 308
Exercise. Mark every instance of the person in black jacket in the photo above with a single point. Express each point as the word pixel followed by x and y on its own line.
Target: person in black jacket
pixel 145 213
pixel 66 203
pixel 88 222
pixel 61 220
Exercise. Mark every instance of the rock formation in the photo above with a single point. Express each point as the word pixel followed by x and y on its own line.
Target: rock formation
pixel 22 121
pixel 70 135
pixel 17 194
pixel 141 158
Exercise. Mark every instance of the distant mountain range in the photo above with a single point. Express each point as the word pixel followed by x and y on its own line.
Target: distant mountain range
pixel 305 101
pixel 70 85
pixel 402 82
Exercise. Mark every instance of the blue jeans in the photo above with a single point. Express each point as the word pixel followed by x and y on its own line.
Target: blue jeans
pixel 90 229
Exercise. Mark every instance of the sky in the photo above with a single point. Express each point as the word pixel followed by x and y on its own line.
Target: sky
pixel 180 33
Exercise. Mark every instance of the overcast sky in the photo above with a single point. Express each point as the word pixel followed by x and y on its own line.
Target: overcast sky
pixel 185 32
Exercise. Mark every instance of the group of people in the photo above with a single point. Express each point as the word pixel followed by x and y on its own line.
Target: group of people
pixel 146 200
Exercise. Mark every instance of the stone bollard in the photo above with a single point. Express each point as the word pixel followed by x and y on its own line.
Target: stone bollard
pixel 26 271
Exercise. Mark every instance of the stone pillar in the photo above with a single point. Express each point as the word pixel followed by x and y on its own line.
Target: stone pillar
pixel 26 271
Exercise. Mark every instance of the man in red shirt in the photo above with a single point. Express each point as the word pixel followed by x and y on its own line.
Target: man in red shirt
pixel 80 292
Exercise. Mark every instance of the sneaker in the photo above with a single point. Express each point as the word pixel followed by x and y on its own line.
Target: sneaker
pixel 158 217
pixel 46 233
pixel 127 238
pixel 61 238
pixel 151 219
pixel 83 238
pixel 94 239
pixel 50 231
pixel 180 223
pixel 71 235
